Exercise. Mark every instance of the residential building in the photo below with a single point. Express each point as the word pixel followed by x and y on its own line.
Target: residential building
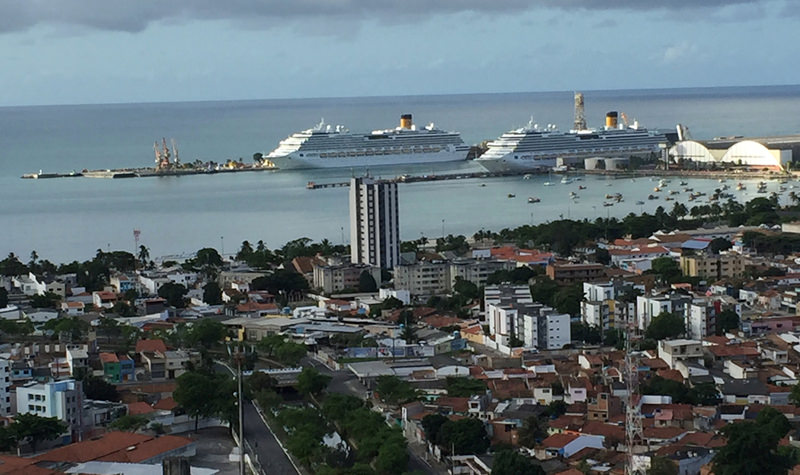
pixel 73 309
pixel 600 307
pixel 715 267
pixel 122 283
pixel 104 299
pixel 29 284
pixel 117 368
pixel 335 278
pixel 423 278
pixel 426 278
pixel 513 316
pixel 681 350
pixel 77 361
pixel 476 270
pixel 568 272
pixel 5 386
pixel 648 307
pixel 701 318
pixel 61 399
pixel 374 223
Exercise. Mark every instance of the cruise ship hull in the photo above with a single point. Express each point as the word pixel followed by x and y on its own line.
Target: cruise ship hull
pixel 295 162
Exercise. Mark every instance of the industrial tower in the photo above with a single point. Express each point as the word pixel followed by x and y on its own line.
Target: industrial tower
pixel 633 417
pixel 580 120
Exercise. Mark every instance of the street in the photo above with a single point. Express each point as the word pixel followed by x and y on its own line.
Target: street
pixel 261 440
pixel 268 452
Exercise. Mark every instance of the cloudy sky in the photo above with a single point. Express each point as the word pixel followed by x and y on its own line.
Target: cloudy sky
pixel 98 51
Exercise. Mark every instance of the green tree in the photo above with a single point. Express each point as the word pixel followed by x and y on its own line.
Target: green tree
pixel 34 429
pixel 720 244
pixel 533 430
pixel 727 320
pixel 123 309
pixel 568 299
pixel 73 326
pixel 143 255
pixel 665 326
pixel 794 396
pixel 774 421
pixel 662 466
pixel 390 460
pixel 556 408
pixel 751 449
pixel 393 390
pixel 312 382
pixel 666 269
pixel 465 436
pixel 206 332
pixel 509 462
pixel 207 257
pixel 290 353
pixel 98 389
pixel 212 294
pixel 174 294
pixel 129 423
pixel 205 395
pixel 47 300
pixel 466 289
pixel 3 297
pixel 461 386
pixel 432 424
pixel 366 283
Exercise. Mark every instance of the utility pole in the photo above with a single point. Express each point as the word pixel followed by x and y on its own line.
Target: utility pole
pixel 239 357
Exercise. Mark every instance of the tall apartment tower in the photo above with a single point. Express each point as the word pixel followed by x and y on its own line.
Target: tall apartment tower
pixel 374 223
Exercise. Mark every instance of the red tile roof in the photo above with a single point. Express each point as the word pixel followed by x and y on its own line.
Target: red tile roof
pixel 557 441
pixel 150 346
pixel 11 465
pixel 166 404
pixel 109 358
pixel 139 408
pixel 116 447
pixel 457 404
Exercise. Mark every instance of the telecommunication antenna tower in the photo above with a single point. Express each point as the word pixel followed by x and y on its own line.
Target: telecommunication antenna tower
pixel 580 120
pixel 633 417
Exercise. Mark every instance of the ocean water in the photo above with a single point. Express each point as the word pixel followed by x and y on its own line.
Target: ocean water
pixel 65 219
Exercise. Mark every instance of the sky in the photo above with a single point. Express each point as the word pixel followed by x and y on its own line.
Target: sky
pixel 109 51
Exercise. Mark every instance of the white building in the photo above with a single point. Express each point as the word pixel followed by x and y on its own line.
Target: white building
pixel 29 284
pixel 512 315
pixel 374 223
pixel 5 385
pixel 77 359
pixel 61 399
pixel 648 307
pixel 681 350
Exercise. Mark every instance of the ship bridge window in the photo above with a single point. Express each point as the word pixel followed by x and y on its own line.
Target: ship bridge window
pixel 373 137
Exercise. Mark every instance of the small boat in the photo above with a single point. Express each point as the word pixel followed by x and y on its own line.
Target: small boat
pixel 572 194
pixel 652 197
pixel 657 189
pixel 640 203
pixel 511 195
pixel 688 190
pixel 669 198
pixel 609 196
pixel 483 184
pixel 581 187
pixel 527 176
pixel 607 203
pixel 674 192
pixel 721 180
pixel 533 199
pixel 683 183
pixel 566 180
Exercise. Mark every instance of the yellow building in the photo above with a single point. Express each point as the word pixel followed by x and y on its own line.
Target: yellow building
pixel 716 267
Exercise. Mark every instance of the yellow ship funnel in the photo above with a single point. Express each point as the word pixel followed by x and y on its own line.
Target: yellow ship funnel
pixel 611 120
pixel 405 121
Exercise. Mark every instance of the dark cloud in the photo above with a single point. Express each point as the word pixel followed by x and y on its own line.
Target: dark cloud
pixel 136 15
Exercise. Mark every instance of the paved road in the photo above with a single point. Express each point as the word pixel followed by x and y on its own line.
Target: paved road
pixel 269 454
pixel 261 440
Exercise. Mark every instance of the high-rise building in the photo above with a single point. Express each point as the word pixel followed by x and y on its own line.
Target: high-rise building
pixel 374 223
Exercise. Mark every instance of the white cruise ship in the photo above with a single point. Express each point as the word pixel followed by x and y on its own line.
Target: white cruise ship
pixel 325 146
pixel 531 147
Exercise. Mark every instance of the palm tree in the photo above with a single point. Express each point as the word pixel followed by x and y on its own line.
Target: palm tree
pixel 144 255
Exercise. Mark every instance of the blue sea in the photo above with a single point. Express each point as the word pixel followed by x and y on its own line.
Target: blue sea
pixel 70 218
